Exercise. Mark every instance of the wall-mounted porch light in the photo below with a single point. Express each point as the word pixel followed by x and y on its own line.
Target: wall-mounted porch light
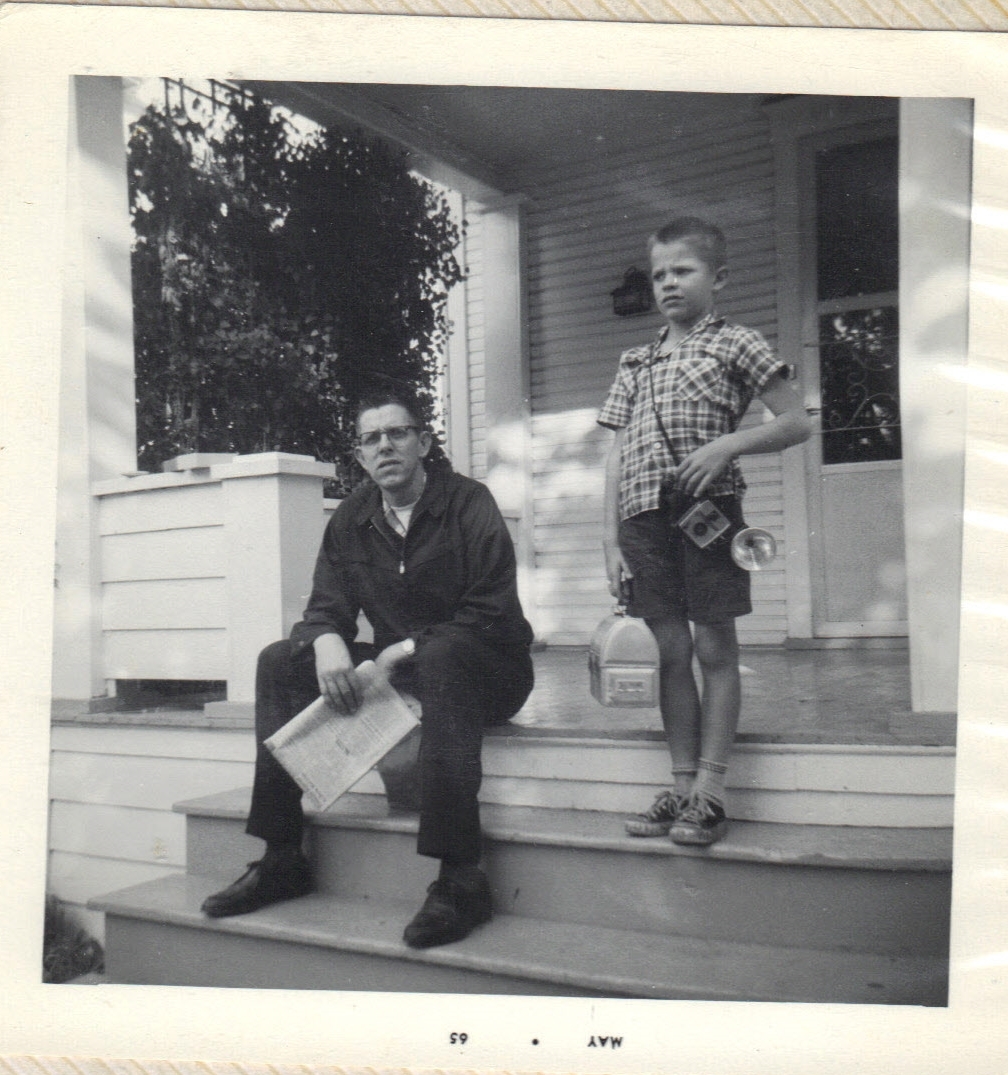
pixel 633 296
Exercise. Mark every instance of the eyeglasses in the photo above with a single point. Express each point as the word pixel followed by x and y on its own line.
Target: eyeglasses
pixel 396 434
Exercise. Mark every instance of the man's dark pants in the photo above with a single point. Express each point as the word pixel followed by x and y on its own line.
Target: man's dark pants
pixel 463 685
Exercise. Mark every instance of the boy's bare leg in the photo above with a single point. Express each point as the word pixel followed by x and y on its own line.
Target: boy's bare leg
pixel 679 702
pixel 680 699
pixel 718 652
pixel 702 821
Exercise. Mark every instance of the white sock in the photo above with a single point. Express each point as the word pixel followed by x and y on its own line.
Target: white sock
pixel 710 781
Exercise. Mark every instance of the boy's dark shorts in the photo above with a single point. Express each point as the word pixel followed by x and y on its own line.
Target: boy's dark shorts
pixel 671 575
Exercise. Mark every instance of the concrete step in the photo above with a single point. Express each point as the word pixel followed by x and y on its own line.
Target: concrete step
pixel 156 935
pixel 801 783
pixel 850 781
pixel 825 887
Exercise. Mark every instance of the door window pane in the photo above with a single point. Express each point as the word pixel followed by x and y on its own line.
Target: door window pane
pixel 857 257
pixel 858 238
pixel 859 364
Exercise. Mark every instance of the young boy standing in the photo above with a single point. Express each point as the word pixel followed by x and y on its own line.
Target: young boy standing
pixel 675 405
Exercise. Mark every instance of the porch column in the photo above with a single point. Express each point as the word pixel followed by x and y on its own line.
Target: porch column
pixel 935 172
pixel 507 378
pixel 97 418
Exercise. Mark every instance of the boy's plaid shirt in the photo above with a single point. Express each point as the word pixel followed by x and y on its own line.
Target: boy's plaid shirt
pixel 701 386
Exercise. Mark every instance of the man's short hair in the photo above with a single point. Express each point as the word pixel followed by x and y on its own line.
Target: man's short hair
pixel 706 239
pixel 392 395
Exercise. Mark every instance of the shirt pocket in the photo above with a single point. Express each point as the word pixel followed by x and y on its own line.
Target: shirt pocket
pixel 700 378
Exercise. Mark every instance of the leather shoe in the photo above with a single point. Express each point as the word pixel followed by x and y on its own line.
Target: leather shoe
pixel 455 905
pixel 278 875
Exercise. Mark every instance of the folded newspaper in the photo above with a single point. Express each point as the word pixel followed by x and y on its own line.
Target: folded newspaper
pixel 327 753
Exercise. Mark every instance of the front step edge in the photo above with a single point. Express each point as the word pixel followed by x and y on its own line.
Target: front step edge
pixel 603 961
pixel 856 847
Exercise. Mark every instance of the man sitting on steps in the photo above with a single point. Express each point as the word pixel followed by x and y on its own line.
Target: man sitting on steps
pixel 426 555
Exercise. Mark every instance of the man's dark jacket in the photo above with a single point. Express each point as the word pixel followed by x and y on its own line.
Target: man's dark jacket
pixel 455 570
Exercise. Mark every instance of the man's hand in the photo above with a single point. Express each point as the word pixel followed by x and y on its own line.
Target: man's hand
pixel 616 569
pixel 702 466
pixel 338 682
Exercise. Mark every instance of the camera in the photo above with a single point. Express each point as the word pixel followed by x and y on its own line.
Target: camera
pixel 703 524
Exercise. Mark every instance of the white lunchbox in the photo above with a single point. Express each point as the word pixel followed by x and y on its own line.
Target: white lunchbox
pixel 623 662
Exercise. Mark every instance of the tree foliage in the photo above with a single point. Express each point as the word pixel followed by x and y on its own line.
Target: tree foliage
pixel 277 279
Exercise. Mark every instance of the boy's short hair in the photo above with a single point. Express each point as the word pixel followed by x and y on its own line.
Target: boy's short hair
pixel 706 239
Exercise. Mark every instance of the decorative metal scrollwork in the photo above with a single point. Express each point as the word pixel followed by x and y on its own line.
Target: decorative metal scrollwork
pixel 859 385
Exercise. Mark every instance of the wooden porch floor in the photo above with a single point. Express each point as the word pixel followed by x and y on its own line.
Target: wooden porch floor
pixel 800 696
pixel 788 696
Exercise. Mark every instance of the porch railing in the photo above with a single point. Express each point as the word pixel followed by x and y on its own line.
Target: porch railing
pixel 203 565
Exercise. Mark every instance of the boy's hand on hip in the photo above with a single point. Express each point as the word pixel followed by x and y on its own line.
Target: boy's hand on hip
pixel 703 466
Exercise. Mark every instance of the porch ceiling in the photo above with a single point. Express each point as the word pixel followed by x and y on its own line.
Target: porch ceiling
pixel 503 136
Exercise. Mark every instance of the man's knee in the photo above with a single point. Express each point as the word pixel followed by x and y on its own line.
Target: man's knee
pixel 455 677
pixel 274 659
pixel 463 674
pixel 446 654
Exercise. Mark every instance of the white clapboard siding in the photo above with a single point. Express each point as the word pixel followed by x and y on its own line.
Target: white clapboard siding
pixel 165 629
pixel 191 745
pixel 585 227
pixel 185 654
pixel 149 783
pixel 74 879
pixel 172 507
pixel 183 553
pixel 163 582
pixel 111 791
pixel 127 832
pixel 476 342
pixel 165 603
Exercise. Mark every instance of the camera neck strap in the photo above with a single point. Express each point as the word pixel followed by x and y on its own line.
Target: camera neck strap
pixel 654 400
